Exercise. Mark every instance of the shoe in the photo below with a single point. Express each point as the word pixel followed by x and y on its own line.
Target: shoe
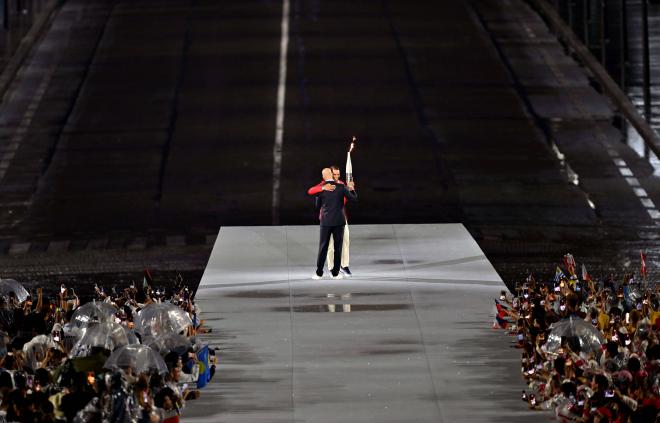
pixel 346 271
pixel 338 276
pixel 316 276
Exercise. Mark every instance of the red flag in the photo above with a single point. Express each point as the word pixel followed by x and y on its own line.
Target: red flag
pixel 500 322
pixel 585 276
pixel 569 263
pixel 502 310
pixel 643 259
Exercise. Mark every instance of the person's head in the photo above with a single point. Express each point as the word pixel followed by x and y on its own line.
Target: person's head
pixel 155 382
pixel 572 303
pixel 164 399
pixel 569 389
pixel 560 364
pixel 326 173
pixel 10 362
pixel 20 381
pixel 336 173
pixel 6 382
pixel 142 384
pixel 600 383
pixel 173 362
pixel 653 352
pixel 42 377
pixel 634 364
pixel 612 349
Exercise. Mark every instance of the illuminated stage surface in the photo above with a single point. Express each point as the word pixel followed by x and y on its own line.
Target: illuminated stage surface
pixel 408 338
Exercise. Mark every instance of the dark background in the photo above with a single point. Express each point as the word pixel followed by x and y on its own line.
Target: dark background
pixel 157 123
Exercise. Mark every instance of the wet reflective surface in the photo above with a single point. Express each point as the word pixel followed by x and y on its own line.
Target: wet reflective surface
pixel 408 338
pixel 130 123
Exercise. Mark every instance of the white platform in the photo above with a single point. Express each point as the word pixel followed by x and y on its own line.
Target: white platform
pixel 408 338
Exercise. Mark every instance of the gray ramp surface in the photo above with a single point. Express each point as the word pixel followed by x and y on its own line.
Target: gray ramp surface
pixel 408 338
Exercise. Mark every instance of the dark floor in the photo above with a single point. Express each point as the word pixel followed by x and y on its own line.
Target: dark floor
pixel 137 129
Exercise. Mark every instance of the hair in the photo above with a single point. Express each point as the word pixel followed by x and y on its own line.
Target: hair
pixel 601 382
pixel 635 317
pixel 10 362
pixel 171 360
pixel 156 382
pixel 142 383
pixel 634 365
pixel 42 376
pixel 612 348
pixel 159 400
pixel 572 302
pixel 19 380
pixel 560 364
pixel 569 388
pixel 334 167
pixel 653 352
pixel 5 380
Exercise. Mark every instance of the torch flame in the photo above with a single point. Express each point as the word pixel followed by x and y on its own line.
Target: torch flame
pixel 352 144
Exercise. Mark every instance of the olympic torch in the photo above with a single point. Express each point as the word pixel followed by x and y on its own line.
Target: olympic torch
pixel 349 166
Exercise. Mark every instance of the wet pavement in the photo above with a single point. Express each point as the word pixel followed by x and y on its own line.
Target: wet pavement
pixel 138 129
pixel 408 338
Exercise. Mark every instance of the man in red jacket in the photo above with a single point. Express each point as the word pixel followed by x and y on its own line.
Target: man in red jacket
pixel 323 186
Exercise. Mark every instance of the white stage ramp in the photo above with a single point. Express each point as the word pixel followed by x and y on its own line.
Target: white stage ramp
pixel 407 339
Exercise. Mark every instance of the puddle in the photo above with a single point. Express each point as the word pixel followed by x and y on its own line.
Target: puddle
pixel 346 308
pixel 258 294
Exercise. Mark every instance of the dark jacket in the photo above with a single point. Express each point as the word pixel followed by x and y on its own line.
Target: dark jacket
pixel 331 204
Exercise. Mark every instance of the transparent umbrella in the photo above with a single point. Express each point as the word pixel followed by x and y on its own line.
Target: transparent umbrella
pixel 10 285
pixel 169 342
pixel 158 319
pixel 35 349
pixel 635 293
pixel 140 358
pixel 107 335
pixel 93 311
pixel 581 335
pixel 132 337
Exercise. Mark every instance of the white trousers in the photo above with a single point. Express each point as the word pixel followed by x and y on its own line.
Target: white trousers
pixel 344 250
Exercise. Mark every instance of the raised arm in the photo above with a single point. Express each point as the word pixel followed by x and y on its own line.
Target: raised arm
pixel 322 186
pixel 316 189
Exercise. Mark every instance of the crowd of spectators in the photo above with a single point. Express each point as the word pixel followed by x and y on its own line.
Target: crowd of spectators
pixel 590 349
pixel 45 375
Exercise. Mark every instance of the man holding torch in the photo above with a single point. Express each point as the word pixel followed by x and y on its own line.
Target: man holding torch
pixel 331 200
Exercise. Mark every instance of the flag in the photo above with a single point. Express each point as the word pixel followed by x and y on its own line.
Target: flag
pixel 501 308
pixel 569 263
pixel 643 259
pixel 500 322
pixel 204 367
pixel 559 275
pixel 585 276
pixel 502 314
pixel 147 280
